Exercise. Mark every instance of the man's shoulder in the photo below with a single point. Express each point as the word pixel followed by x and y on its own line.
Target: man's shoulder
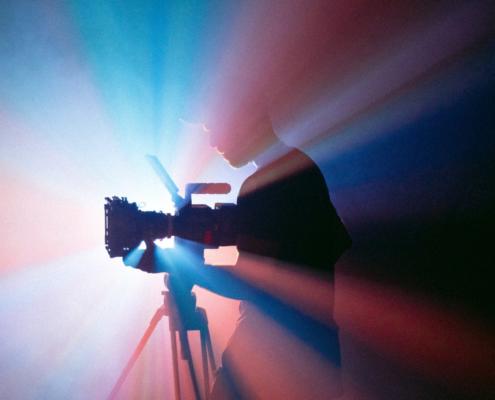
pixel 293 166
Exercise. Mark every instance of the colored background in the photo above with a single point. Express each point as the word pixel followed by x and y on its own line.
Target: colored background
pixel 393 100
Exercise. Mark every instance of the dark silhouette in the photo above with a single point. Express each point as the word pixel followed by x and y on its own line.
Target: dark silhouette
pixel 284 215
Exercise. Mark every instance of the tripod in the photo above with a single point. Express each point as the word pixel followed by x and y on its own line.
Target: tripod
pixel 183 316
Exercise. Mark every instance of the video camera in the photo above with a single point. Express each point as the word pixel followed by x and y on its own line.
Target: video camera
pixel 126 226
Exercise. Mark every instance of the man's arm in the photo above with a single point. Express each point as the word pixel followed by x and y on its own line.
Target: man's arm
pixel 257 279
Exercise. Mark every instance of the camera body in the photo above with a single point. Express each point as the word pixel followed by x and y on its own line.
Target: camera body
pixel 126 226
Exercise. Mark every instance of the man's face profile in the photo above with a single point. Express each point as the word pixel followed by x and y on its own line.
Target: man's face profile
pixel 228 143
pixel 240 134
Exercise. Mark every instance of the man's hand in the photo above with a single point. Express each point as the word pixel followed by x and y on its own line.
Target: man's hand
pixel 147 261
pixel 184 262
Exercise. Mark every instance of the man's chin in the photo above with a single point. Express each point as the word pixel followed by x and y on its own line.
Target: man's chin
pixel 236 163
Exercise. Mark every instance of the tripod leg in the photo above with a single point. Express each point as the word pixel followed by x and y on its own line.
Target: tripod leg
pixel 175 363
pixel 139 348
pixel 209 347
pixel 204 359
pixel 186 352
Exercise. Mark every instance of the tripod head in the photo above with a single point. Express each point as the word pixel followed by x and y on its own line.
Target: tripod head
pixel 181 302
pixel 179 280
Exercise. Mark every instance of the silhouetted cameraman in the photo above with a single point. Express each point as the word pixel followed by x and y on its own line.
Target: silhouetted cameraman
pixel 286 222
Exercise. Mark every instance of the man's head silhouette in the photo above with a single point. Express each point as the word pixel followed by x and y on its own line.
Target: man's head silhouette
pixel 242 130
